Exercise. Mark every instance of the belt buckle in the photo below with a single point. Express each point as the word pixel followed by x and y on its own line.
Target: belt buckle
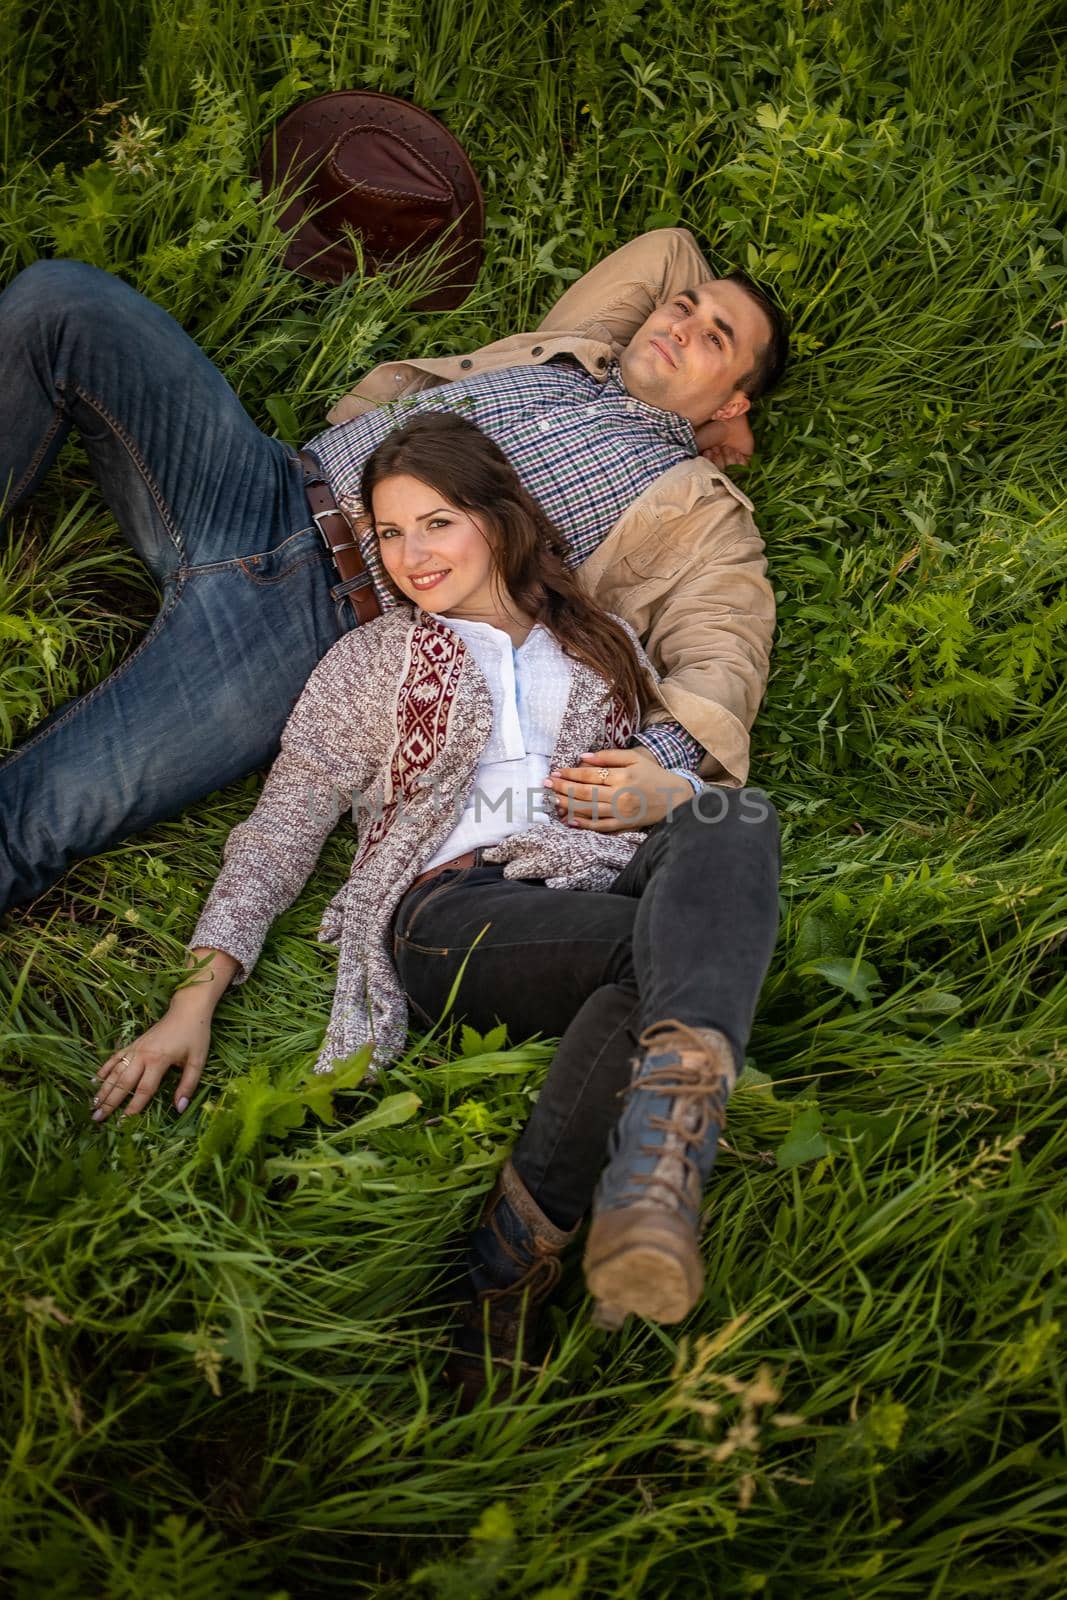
pixel 317 516
pixel 334 511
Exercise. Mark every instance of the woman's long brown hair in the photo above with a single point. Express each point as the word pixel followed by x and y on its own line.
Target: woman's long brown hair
pixel 449 453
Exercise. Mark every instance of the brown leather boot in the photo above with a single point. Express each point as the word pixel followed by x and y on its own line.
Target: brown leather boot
pixel 643 1253
pixel 512 1265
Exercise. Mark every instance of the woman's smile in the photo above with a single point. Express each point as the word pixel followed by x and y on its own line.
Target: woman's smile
pixel 427 580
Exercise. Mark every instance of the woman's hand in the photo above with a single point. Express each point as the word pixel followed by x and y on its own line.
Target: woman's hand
pixel 615 790
pixel 179 1039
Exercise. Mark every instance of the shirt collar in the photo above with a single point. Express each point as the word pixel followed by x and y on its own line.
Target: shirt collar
pixel 465 625
pixel 669 423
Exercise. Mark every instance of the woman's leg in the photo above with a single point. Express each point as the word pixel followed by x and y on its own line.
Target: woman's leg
pixel 218 513
pixel 706 885
pixel 685 932
pixel 703 888
pixel 642 1253
pixel 555 962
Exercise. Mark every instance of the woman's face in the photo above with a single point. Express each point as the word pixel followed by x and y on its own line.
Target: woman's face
pixel 435 553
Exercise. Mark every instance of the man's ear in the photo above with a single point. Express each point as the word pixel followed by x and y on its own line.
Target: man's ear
pixel 736 406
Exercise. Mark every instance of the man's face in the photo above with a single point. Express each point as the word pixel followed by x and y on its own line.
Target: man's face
pixel 691 353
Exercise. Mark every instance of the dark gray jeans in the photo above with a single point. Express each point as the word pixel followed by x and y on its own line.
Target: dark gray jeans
pixel 686 931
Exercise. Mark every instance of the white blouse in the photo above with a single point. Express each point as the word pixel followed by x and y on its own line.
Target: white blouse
pixel 529 688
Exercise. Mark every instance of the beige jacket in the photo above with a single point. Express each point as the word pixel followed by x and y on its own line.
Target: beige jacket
pixel 684 564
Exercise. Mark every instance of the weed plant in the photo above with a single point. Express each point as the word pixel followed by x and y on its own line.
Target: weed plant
pixel 219 1365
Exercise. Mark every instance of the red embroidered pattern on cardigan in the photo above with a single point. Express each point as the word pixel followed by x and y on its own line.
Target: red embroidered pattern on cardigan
pixel 619 724
pixel 425 697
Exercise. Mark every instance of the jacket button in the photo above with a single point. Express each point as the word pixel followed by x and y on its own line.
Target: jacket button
pixel 466 362
pixel 601 362
pixel 536 351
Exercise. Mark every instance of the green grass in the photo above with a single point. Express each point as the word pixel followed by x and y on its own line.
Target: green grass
pixel 219 1365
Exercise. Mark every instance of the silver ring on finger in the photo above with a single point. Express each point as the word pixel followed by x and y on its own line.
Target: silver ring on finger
pixel 605 774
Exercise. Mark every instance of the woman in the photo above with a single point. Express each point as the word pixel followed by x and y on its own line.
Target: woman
pixel 436 724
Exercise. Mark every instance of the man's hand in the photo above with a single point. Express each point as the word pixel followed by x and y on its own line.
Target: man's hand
pixel 616 789
pixel 728 444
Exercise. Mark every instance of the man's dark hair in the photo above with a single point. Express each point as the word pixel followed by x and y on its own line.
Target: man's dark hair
pixel 771 359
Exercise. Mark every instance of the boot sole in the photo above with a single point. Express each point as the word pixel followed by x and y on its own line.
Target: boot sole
pixel 645 1261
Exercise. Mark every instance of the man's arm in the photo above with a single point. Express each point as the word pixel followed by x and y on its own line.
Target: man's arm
pixel 707 623
pixel 616 296
pixel 710 638
pixel 709 641
pixel 674 750
pixel 613 298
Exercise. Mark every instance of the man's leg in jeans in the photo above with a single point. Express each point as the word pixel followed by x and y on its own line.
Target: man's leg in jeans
pixel 216 510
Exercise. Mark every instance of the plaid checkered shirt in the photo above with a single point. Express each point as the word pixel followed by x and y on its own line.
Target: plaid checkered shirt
pixel 582 446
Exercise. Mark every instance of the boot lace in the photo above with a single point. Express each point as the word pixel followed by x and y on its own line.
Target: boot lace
pixel 537 1278
pixel 699 1089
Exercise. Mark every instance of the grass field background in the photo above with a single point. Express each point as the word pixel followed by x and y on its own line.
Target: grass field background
pixel 217 1383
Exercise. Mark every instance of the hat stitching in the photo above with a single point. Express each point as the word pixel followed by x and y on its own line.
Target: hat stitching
pixel 419 156
pixel 361 186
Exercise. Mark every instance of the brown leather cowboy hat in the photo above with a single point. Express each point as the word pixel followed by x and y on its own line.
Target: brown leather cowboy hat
pixel 390 171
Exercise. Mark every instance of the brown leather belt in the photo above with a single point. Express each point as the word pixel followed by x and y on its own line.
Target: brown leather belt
pixel 340 539
pixel 469 858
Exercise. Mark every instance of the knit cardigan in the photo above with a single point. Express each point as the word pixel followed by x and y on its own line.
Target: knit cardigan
pixel 390 728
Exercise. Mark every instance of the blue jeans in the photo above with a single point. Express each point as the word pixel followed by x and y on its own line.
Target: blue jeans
pixel 218 513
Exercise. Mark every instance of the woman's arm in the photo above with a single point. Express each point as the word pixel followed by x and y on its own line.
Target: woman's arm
pixel 637 789
pixel 327 750
pixel 324 764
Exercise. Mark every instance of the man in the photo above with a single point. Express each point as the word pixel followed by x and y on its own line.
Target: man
pixel 603 411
